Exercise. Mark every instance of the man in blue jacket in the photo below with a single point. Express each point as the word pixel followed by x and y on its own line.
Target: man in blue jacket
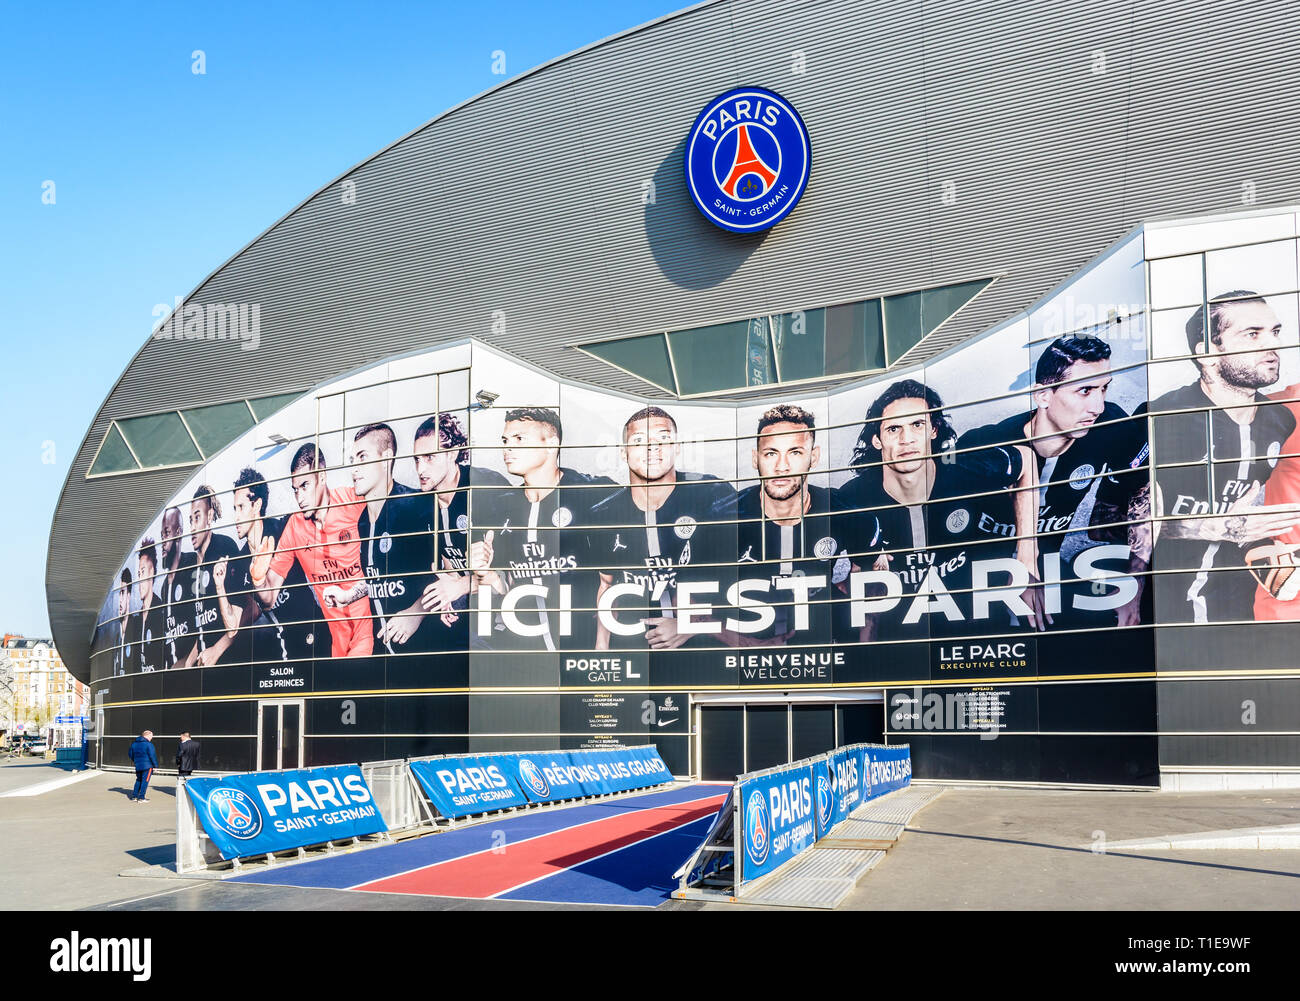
pixel 145 758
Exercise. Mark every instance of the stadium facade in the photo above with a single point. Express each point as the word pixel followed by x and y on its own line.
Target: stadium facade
pixel 511 438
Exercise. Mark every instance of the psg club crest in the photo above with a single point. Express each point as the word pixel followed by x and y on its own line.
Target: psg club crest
pixel 747 160
pixel 825 797
pixel 757 840
pixel 234 811
pixel 533 778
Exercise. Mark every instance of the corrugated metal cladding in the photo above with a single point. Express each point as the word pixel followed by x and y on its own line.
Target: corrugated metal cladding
pixel 951 140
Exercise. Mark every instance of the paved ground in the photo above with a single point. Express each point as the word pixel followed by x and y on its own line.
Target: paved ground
pixel 1020 849
pixel 63 850
pixel 970 849
pixel 15 773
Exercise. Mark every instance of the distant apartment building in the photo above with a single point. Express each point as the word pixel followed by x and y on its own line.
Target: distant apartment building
pixel 41 688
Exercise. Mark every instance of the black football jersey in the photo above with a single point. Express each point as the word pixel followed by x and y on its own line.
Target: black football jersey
pixel 1110 458
pixel 543 543
pixel 292 629
pixel 147 632
pixel 691 536
pixel 177 604
pixel 397 557
pixel 819 546
pixel 1227 460
pixel 208 626
pixel 931 546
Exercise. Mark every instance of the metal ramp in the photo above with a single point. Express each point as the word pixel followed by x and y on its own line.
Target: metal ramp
pixel 826 873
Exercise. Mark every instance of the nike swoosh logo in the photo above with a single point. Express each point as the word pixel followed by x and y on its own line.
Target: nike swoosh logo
pixel 668 722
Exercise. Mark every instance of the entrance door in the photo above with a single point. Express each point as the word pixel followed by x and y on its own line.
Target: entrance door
pixel 722 743
pixel 861 722
pixel 99 738
pixel 767 736
pixel 279 734
pixel 754 734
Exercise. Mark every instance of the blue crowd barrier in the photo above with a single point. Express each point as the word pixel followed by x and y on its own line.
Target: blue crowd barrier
pixel 787 809
pixel 460 786
pixel 263 812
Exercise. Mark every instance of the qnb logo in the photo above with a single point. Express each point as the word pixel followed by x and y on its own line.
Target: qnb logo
pixel 234 811
pixel 747 160
pixel 757 838
pixel 533 778
pixel 75 954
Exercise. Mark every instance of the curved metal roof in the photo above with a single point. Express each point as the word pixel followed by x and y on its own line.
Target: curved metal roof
pixel 950 141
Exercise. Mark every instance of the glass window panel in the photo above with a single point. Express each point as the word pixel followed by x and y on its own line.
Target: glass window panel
pixel 265 406
pixel 160 439
pixel 708 359
pixel 114 456
pixel 854 341
pixel 216 427
pixel 800 339
pixel 759 367
pixel 644 357
pixel 903 328
pixel 937 304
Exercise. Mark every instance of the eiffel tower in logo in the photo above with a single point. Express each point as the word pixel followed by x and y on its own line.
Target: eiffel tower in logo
pixel 749 177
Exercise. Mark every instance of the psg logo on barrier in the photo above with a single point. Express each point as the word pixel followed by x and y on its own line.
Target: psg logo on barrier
pixel 533 778
pixel 757 840
pixel 748 157
pixel 825 795
pixel 234 811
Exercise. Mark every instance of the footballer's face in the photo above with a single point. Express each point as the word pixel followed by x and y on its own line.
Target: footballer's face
pixel 309 490
pixel 247 510
pixel 904 435
pixel 372 464
pixel 123 600
pixel 200 524
pixel 650 448
pixel 171 532
pixel 144 573
pixel 1253 329
pixel 1074 406
pixel 433 466
pixel 527 446
pixel 784 455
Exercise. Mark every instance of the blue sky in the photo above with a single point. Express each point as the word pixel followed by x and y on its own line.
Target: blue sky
pixel 161 174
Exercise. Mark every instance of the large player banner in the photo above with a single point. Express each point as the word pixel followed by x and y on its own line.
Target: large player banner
pixel 274 811
pixel 567 536
pixel 1019 509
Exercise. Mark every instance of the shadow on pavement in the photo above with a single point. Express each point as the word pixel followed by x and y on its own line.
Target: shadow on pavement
pixel 155 854
pixel 1108 854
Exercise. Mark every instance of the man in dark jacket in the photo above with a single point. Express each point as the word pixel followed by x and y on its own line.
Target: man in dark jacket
pixel 145 759
pixel 187 755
